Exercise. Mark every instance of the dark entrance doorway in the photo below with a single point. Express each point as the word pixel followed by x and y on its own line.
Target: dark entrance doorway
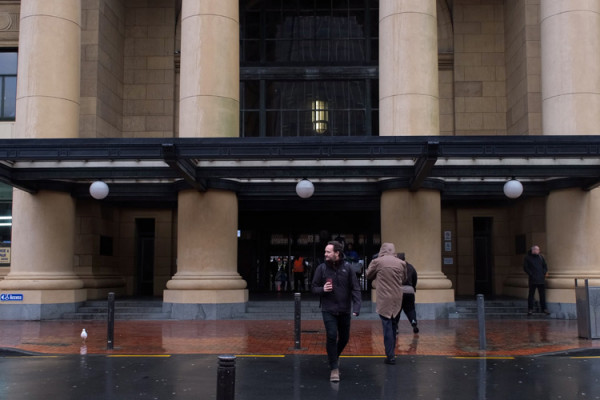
pixel 269 242
pixel 483 256
pixel 144 255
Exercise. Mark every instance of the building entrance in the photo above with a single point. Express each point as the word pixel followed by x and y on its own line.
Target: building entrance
pixel 145 228
pixel 281 252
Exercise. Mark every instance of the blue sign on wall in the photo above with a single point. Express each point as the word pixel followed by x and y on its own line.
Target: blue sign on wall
pixel 11 297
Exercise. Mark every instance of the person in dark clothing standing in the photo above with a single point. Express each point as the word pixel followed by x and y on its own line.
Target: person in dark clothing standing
pixel 340 295
pixel 536 269
pixel 409 287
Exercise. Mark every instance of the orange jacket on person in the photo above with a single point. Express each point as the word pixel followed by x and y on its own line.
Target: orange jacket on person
pixel 298 264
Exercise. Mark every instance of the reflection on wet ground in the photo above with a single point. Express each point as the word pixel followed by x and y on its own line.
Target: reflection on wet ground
pixel 439 337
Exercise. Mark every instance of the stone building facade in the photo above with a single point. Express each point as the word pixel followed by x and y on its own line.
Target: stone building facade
pixel 137 69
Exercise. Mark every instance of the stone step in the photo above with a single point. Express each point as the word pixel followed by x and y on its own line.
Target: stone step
pixel 125 309
pixel 124 303
pixel 120 310
pixel 119 317
pixel 285 309
pixel 494 309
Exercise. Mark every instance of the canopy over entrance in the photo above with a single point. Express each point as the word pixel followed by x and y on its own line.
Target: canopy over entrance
pixel 150 171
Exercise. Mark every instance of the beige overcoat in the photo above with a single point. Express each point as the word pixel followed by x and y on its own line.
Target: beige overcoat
pixel 388 273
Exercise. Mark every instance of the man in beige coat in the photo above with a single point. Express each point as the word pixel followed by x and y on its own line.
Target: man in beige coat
pixel 389 272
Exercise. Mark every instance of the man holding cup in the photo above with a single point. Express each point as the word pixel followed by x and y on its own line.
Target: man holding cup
pixel 340 296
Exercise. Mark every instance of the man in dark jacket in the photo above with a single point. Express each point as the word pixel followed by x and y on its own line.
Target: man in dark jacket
pixel 340 295
pixel 409 287
pixel 535 267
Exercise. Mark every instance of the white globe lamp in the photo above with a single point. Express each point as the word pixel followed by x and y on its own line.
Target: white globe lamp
pixel 99 190
pixel 513 189
pixel 305 188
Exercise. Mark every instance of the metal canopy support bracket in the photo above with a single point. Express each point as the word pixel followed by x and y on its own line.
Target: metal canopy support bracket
pixel 183 166
pixel 6 177
pixel 594 184
pixel 424 165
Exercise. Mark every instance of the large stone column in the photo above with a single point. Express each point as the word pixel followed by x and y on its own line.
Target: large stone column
pixel 412 221
pixel 207 285
pixel 49 69
pixel 408 68
pixel 210 69
pixel 570 67
pixel 409 106
pixel 571 106
pixel 43 236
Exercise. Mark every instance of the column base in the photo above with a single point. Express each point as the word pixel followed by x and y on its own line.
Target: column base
pixel 205 304
pixel 100 287
pixel 35 305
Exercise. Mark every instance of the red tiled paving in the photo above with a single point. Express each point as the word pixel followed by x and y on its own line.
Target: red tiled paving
pixel 242 337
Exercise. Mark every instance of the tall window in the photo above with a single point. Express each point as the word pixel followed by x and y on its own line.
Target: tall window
pixel 8 85
pixel 309 67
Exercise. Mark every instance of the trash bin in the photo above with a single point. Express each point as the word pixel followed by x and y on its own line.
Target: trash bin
pixel 588 310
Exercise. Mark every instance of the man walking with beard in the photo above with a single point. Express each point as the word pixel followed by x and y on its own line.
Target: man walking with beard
pixel 340 296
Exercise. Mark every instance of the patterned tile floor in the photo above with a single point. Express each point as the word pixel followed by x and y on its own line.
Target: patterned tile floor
pixel 241 337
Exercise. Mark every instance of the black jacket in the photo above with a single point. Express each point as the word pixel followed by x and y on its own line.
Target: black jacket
pixel 535 267
pixel 345 297
pixel 411 276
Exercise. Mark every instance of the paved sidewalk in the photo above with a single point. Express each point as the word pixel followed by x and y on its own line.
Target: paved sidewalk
pixel 241 337
pixel 297 377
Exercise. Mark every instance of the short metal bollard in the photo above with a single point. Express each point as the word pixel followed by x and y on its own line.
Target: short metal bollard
pixel 297 321
pixel 481 320
pixel 226 378
pixel 110 336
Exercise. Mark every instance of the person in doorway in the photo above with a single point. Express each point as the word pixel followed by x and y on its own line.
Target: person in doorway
pixel 281 279
pixel 298 270
pixel 338 287
pixel 350 254
pixel 352 257
pixel 536 269
pixel 409 287
pixel 273 268
pixel 388 272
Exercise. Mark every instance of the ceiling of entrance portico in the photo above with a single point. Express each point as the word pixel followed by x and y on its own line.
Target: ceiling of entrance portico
pixel 474 167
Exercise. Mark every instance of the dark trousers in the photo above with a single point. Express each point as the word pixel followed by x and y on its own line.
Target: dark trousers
pixel 390 330
pixel 337 328
pixel 298 281
pixel 408 306
pixel 541 291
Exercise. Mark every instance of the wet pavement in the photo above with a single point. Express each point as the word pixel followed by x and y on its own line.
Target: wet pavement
pixel 439 337
pixel 298 377
pixel 524 359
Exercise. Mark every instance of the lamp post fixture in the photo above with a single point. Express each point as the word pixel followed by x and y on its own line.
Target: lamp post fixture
pixel 305 188
pixel 99 190
pixel 513 189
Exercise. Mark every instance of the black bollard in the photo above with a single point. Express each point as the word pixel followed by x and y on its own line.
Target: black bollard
pixel 481 320
pixel 297 320
pixel 110 337
pixel 226 378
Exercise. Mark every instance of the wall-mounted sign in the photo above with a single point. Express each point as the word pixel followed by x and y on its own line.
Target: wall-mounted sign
pixel 447 235
pixel 447 246
pixel 4 256
pixel 448 261
pixel 11 297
